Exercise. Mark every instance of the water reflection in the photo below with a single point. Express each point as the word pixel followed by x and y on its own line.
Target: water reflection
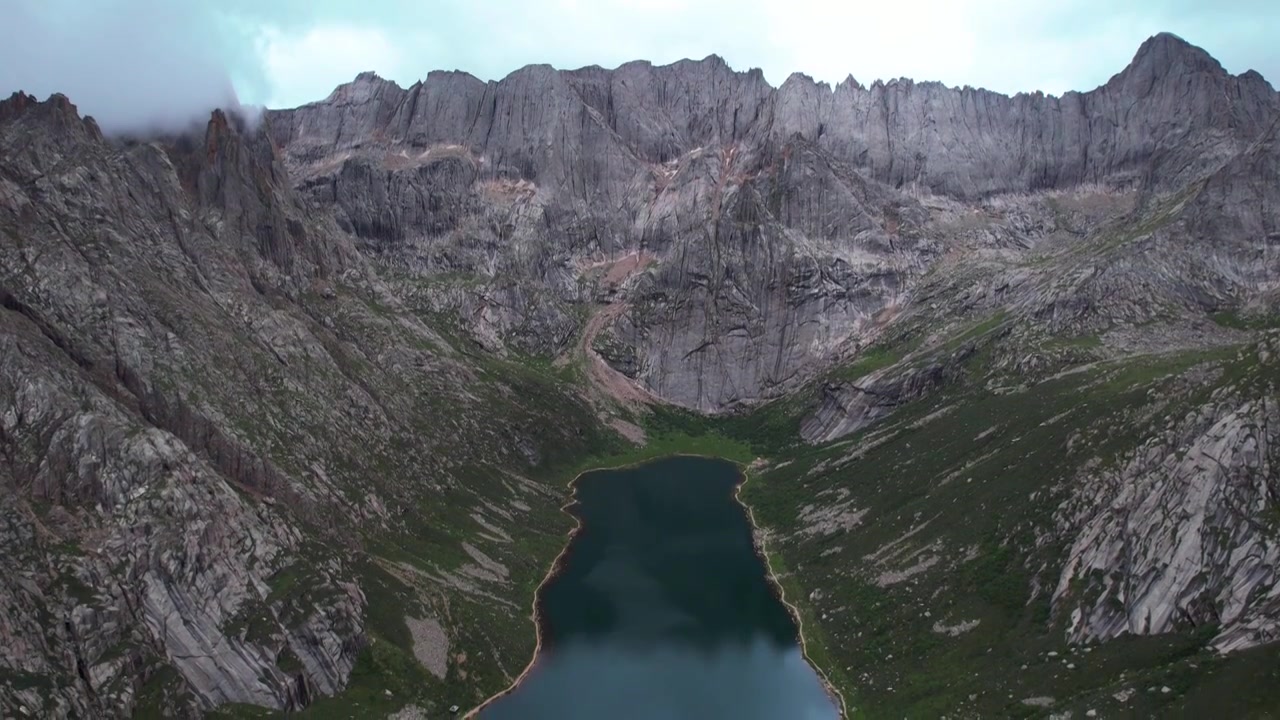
pixel 756 681
pixel 662 609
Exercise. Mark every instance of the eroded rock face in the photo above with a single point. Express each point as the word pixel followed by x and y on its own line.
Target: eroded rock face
pixel 743 305
pixel 209 402
pixel 1160 117
pixel 781 220
pixel 1177 537
pixel 1165 107
pixel 847 407
pixel 1141 269
pixel 134 521
pixel 214 380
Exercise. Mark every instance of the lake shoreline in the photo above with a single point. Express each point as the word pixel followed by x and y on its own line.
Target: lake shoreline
pixel 758 541
pixel 551 575
pixel 758 546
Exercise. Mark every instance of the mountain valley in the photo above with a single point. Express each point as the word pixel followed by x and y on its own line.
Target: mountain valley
pixel 289 404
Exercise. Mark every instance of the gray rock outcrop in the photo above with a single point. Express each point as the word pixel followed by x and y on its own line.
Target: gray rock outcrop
pixel 1178 537
pixel 133 522
pixel 782 220
pixel 270 393
pixel 210 402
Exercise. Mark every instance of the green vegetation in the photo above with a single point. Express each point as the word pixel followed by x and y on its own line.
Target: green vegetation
pixel 869 360
pixel 157 693
pixel 766 430
pixel 973 332
pixel 385 679
pixel 1240 321
pixel 82 593
pixel 22 680
pixel 935 484
pixel 240 711
pixel 712 444
pixel 950 464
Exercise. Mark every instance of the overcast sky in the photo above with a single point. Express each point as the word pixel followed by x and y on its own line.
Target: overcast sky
pixel 130 62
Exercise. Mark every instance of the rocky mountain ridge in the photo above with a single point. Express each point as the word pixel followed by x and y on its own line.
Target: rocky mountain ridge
pixel 137 473
pixel 806 212
pixel 1167 105
pixel 283 405
pixel 211 405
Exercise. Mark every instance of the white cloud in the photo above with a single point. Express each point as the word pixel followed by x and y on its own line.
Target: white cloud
pixel 305 66
pixel 130 80
pixel 1003 45
pixel 288 52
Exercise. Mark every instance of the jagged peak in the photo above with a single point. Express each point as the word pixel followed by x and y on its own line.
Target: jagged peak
pixel 232 121
pixel 799 78
pixel 532 69
pixel 369 79
pixel 714 59
pixel 1166 42
pixel 229 142
pixel 533 74
pixel 850 82
pixel 453 74
pixel 1253 76
pixel 1165 52
pixel 633 65
pixel 20 102
pixel 57 109
pixel 15 105
pixel 713 62
pixel 366 86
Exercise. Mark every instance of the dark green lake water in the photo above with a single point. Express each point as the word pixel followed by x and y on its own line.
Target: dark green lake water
pixel 662 610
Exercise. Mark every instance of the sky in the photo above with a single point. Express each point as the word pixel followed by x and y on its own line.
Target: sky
pixel 133 63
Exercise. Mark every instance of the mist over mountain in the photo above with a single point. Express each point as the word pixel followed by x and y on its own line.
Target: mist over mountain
pixel 136 66
pixel 139 63
pixel 288 407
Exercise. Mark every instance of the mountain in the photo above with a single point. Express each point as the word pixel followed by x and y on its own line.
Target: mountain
pixel 784 220
pixel 214 410
pixel 288 404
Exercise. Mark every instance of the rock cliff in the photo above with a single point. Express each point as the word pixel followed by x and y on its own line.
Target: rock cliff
pixel 282 401
pixel 782 221
pixel 132 510
pixel 208 404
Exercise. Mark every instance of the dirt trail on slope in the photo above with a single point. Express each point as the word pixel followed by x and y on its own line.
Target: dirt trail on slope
pixel 603 379
pixel 602 376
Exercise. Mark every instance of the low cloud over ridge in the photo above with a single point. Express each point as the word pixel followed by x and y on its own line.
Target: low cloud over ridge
pixel 146 64
pixel 134 65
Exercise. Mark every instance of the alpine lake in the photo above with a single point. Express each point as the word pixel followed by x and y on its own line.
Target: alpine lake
pixel 661 607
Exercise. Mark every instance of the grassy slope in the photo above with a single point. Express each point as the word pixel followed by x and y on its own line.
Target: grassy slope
pixel 875 643
pixel 1003 453
pixel 497 638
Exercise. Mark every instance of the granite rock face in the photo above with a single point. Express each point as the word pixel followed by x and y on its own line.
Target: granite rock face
pixel 134 523
pixel 1087 264
pixel 1177 537
pixel 234 356
pixel 780 221
pixel 1171 115
pixel 208 402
